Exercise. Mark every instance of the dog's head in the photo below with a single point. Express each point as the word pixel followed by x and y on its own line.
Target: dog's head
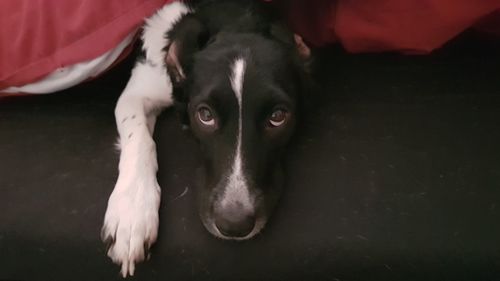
pixel 240 94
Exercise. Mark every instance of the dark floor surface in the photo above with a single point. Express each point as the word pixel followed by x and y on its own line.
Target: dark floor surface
pixel 395 175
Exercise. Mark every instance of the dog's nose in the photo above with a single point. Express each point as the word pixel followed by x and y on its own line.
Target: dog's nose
pixel 234 221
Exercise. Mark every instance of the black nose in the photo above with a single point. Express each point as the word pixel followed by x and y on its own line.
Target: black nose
pixel 234 221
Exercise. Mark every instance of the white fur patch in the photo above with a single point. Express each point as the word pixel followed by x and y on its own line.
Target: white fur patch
pixel 237 187
pixel 156 27
pixel 238 73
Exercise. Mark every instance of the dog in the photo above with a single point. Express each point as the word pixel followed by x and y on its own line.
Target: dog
pixel 236 74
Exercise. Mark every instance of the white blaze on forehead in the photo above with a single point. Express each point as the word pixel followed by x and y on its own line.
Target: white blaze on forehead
pixel 237 75
pixel 237 189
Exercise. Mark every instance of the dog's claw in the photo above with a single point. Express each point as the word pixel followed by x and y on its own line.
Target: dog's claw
pixel 108 243
pixel 128 268
pixel 107 239
pixel 147 246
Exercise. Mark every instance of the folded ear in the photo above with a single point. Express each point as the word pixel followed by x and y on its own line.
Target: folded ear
pixel 174 66
pixel 187 37
pixel 303 50
pixel 283 34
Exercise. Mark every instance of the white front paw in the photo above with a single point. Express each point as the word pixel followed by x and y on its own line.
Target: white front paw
pixel 131 221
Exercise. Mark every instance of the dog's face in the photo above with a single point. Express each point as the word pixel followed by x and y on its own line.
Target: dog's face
pixel 241 94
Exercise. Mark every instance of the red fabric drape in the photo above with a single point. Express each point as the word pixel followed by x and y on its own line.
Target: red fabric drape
pixel 408 26
pixel 38 36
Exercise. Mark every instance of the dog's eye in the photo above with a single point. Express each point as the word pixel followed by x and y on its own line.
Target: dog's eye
pixel 205 116
pixel 277 118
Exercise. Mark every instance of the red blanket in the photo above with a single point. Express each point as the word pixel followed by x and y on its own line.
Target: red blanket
pixel 408 26
pixel 38 36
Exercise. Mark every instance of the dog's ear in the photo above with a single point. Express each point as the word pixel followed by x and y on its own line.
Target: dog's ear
pixel 187 37
pixel 303 61
pixel 303 50
pixel 280 32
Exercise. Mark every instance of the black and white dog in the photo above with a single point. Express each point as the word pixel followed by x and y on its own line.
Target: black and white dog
pixel 236 74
